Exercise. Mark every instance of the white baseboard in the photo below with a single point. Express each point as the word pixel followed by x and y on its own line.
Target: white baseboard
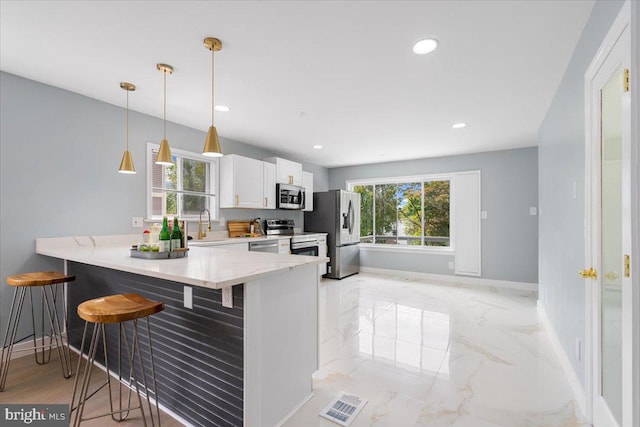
pixel 570 373
pixel 295 409
pixel 474 281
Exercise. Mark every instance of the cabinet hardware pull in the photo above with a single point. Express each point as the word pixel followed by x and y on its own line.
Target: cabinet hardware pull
pixel 266 202
pixel 627 266
pixel 237 200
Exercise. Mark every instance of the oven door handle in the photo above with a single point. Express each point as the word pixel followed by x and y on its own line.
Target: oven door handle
pixel 303 245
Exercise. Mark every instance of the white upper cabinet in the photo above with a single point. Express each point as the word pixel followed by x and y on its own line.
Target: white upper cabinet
pixel 307 183
pixel 287 172
pixel 241 182
pixel 269 185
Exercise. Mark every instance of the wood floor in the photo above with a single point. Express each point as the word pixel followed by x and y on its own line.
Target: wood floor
pixel 30 383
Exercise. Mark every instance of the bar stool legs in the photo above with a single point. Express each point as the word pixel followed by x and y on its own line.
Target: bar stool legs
pixel 57 325
pixel 134 380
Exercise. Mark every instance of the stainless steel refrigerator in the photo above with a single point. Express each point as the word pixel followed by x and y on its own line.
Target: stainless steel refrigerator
pixel 337 212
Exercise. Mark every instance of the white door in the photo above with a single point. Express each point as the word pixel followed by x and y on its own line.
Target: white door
pixel 608 234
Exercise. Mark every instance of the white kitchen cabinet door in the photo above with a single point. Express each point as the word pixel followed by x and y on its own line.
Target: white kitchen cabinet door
pixel 322 251
pixel 269 186
pixel 287 171
pixel 307 183
pixel 241 182
pixel 284 246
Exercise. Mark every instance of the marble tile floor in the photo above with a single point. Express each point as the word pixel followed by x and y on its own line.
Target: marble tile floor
pixel 429 354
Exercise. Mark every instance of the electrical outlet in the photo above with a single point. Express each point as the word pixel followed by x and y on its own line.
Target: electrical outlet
pixel 578 349
pixel 483 214
pixel 136 222
pixel 533 211
pixel 227 297
pixel 188 297
pixel 451 265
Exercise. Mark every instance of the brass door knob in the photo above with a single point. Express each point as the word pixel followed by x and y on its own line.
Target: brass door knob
pixel 588 274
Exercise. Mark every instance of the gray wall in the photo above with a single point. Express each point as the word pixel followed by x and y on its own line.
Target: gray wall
pixel 561 164
pixel 509 234
pixel 59 154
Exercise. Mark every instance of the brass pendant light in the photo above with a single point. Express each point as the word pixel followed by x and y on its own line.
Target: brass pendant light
pixel 212 144
pixel 126 165
pixel 164 154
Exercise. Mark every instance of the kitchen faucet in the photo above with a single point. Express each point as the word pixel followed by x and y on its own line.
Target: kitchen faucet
pixel 201 233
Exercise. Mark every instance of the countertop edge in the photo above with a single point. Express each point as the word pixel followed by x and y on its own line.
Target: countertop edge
pixel 104 257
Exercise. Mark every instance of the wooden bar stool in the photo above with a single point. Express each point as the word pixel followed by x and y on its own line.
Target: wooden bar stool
pixel 109 310
pixel 49 281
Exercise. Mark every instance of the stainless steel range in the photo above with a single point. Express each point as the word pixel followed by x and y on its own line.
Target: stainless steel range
pixel 301 244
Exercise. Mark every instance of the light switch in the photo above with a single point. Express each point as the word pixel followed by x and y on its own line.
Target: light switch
pixel 533 211
pixel 483 214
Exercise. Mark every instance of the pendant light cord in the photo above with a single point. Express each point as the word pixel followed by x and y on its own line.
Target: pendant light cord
pixel 127 120
pixel 212 103
pixel 164 135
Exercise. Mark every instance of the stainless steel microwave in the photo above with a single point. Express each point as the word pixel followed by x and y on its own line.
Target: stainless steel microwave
pixel 289 196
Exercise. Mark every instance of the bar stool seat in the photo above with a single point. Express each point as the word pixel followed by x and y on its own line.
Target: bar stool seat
pixel 116 309
pixel 39 278
pixel 23 283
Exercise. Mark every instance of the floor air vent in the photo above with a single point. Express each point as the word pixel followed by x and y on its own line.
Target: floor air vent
pixel 343 409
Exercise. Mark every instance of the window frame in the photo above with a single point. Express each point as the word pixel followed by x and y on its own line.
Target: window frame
pixel 442 250
pixel 213 180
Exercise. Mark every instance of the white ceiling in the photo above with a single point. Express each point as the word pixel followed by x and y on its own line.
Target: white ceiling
pixel 296 73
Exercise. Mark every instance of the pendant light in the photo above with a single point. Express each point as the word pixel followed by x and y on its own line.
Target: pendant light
pixel 164 154
pixel 126 165
pixel 212 144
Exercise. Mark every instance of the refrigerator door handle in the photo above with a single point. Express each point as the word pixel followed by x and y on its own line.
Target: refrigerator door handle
pixel 350 213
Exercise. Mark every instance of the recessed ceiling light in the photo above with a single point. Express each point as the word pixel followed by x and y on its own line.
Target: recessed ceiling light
pixel 425 46
pixel 317 147
pixel 459 125
pixel 222 108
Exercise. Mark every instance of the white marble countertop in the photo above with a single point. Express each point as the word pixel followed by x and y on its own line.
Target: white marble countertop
pixel 209 267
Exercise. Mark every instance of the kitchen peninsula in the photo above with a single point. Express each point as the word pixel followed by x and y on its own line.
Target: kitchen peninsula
pixel 250 364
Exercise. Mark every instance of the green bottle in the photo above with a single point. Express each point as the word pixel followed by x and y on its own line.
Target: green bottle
pixel 176 236
pixel 165 237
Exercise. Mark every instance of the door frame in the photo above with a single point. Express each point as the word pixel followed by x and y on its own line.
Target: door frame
pixel 631 395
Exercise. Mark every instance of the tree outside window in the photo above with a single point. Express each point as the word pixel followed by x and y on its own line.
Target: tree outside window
pixel 183 189
pixel 410 213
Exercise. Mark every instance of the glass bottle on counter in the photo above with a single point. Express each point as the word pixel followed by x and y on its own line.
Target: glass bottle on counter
pixel 176 236
pixel 165 237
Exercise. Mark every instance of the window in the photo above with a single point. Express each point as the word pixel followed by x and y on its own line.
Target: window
pixel 182 190
pixel 412 212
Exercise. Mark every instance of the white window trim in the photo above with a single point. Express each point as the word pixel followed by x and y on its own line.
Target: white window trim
pixel 449 250
pixel 214 179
